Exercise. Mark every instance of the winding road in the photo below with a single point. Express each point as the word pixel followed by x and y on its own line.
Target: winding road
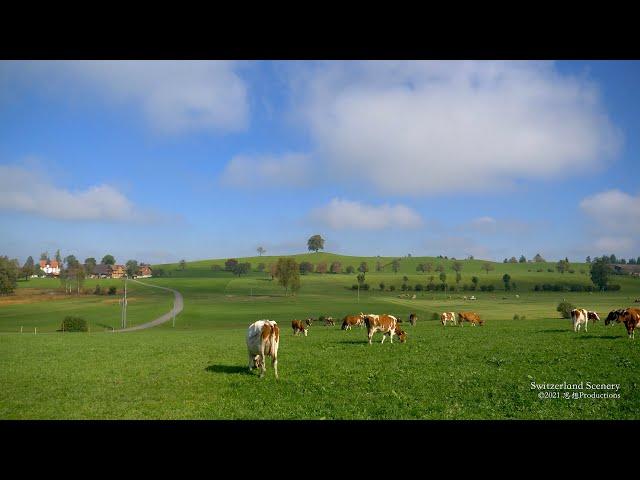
pixel 177 308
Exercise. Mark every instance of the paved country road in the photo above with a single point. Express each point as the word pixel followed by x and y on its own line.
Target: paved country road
pixel 177 308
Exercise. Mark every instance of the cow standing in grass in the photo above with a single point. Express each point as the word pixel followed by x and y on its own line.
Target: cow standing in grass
pixel 413 318
pixel 353 320
pixel 263 338
pixel 387 324
pixel 471 317
pixel 579 317
pixel 448 317
pixel 593 316
pixel 300 327
pixel 629 316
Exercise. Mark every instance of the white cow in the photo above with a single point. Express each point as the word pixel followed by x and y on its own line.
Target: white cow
pixel 448 317
pixel 579 316
pixel 263 338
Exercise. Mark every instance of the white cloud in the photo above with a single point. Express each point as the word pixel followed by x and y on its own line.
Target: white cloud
pixel 174 96
pixel 25 191
pixel 344 214
pixel 429 127
pixel 616 218
pixel 614 209
pixel 264 171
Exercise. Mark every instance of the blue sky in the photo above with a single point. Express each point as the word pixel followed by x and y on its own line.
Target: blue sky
pixel 160 161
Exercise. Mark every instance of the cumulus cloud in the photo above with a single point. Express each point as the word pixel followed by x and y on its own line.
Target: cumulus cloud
pixel 174 96
pixel 429 127
pixel 344 214
pixel 25 191
pixel 290 169
pixel 618 214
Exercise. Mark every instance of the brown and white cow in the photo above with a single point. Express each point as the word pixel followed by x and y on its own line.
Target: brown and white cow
pixel 263 338
pixel 353 320
pixel 299 327
pixel 329 321
pixel 631 319
pixel 471 317
pixel 579 317
pixel 413 318
pixel 448 317
pixel 614 316
pixel 593 316
pixel 387 324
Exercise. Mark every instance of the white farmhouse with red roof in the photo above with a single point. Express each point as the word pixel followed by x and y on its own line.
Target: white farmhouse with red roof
pixel 50 267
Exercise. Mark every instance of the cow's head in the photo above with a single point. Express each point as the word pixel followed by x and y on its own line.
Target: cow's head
pixel 308 321
pixel 402 335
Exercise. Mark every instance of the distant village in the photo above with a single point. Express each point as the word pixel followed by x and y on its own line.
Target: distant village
pixel 51 268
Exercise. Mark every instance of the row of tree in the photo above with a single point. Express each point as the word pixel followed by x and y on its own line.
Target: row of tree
pixel 612 259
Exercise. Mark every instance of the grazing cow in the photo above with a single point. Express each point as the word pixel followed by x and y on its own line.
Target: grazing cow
pixel 631 319
pixel 614 316
pixel 299 327
pixel 263 338
pixel 593 316
pixel 448 317
pixel 579 316
pixel 309 321
pixel 387 324
pixel 329 321
pixel 413 318
pixel 353 320
pixel 471 317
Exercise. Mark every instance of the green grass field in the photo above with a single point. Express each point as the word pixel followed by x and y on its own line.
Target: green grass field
pixel 198 369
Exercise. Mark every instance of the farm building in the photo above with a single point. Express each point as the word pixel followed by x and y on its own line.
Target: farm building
pixel 626 269
pixel 144 271
pixel 50 267
pixel 101 271
pixel 118 271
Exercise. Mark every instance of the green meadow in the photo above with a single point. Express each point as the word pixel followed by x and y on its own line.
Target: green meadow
pixel 197 370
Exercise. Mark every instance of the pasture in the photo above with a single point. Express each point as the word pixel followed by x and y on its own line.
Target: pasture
pixel 198 370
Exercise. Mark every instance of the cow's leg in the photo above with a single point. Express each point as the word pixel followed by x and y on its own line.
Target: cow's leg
pixel 384 335
pixel 370 335
pixel 274 363
pixel 251 362
pixel 391 335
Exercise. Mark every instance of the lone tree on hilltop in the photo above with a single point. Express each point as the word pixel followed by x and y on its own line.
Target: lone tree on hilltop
pixel 230 264
pixel 287 272
pixel 183 264
pixel 486 266
pixel 315 243
pixel 538 258
pixel 261 250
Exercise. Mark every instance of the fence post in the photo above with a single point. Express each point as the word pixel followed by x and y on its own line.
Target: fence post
pixel 35 330
pixel 20 329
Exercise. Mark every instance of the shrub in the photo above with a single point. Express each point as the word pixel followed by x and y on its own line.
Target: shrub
pixel 403 287
pixel 97 290
pixel 112 290
pixel 381 285
pixel 491 288
pixel 354 286
pixel 73 324
pixel 523 317
pixel 550 270
pixel 537 288
pixel 571 270
pixel 539 270
pixel 365 286
pixel 435 316
pixel 516 317
pixel 409 288
pixel 565 309
pixel 392 288
pixel 350 269
pixel 418 287
pixel 612 288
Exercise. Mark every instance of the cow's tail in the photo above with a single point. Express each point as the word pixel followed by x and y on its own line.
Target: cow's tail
pixel 367 323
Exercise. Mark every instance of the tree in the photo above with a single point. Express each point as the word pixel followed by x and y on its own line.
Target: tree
pixel 381 285
pixel 505 261
pixel 273 267
pixel 458 277
pixel 306 267
pixel 315 243
pixel 538 258
pixel 428 266
pixel 71 261
pixel 321 267
pixel 506 278
pixel 522 259
pixel 8 275
pixel 361 279
pixel 457 266
pixel 132 268
pixel 562 266
pixel 261 267
pixel 600 272
pixel 287 272
pixel 588 259
pixel 29 268
pixel 475 281
pixel 363 267
pixel 420 267
pixel 108 260
pixel 378 266
pixel 443 277
pixel 613 259
pixel 90 265
pixel 183 264
pixel 230 264
pixel 336 267
pixel 350 269
pixel 395 265
pixel 486 266
pixel 439 268
pixel 513 260
pixel 58 257
pixel 261 250
pixel 242 268
pixel 44 256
